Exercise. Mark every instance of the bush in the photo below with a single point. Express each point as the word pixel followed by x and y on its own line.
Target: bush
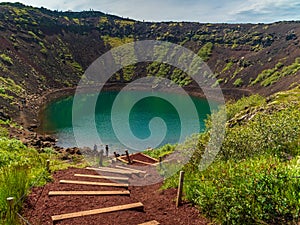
pixel 260 190
pixel 271 76
pixel 6 59
pixel 238 82
pixel 254 179
pixel 161 152
pixel 206 51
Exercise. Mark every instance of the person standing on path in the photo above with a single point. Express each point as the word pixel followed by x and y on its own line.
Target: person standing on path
pixel 106 150
pixel 95 149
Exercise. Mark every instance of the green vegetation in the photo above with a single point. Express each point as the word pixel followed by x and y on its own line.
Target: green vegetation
pixel 43 48
pixel 33 35
pixel 124 23
pixel 75 65
pixel 76 20
pixel 116 41
pixel 206 51
pixel 20 12
pixel 180 78
pixel 228 66
pixel 160 152
pixel 254 178
pixel 6 59
pixel 259 190
pixel 103 19
pixel 218 82
pixel 238 82
pixel 128 72
pixel 8 88
pixel 20 169
pixel 237 71
pixel 271 76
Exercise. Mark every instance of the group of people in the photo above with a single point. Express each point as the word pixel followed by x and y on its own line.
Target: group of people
pixel 106 149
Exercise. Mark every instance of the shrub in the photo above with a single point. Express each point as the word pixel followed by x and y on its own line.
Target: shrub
pixel 259 190
pixel 206 51
pixel 271 76
pixel 238 82
pixel 161 152
pixel 6 59
pixel 254 179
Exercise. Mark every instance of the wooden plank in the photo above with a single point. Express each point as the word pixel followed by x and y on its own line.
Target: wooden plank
pixel 92 183
pixel 122 160
pixel 102 177
pixel 59 193
pixel 147 156
pixel 142 162
pixel 98 211
pixel 111 170
pixel 152 222
pixel 131 169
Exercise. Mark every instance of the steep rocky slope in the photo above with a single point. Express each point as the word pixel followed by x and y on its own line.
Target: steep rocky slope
pixel 42 50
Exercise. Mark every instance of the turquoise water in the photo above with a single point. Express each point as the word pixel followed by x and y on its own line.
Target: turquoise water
pixel 57 118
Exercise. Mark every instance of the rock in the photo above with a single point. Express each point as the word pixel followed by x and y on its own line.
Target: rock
pixel 70 151
pixel 4 116
pixel 32 126
pixel 47 138
pixel 37 143
pixel 65 156
pixel 47 144
pixel 291 35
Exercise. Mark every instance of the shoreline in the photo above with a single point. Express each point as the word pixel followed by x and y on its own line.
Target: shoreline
pixel 31 113
pixel 192 90
pixel 195 91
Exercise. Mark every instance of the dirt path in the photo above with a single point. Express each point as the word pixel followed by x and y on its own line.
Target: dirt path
pixel 159 205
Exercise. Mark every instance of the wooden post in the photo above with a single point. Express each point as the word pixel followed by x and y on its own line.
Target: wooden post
pixel 48 165
pixel 101 158
pixel 160 162
pixel 10 202
pixel 180 187
pixel 128 157
pixel 116 155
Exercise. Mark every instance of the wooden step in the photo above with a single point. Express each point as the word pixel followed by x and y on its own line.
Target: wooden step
pixel 137 205
pixel 142 162
pixel 64 193
pixel 102 177
pixel 112 170
pixel 131 169
pixel 152 222
pixel 93 183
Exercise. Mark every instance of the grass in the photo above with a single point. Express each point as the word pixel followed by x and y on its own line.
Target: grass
pixel 22 168
pixel 271 76
pixel 254 179
pixel 206 51
pixel 227 67
pixel 7 84
pixel 238 82
pixel 6 59
pixel 259 190
pixel 160 152
pixel 116 41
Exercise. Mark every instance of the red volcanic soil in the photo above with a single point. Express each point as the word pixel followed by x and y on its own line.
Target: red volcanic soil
pixel 158 204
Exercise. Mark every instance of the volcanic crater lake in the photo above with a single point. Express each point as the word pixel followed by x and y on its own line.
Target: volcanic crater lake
pixel 56 118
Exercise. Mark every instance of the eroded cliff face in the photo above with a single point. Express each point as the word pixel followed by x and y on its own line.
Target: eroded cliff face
pixel 42 50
